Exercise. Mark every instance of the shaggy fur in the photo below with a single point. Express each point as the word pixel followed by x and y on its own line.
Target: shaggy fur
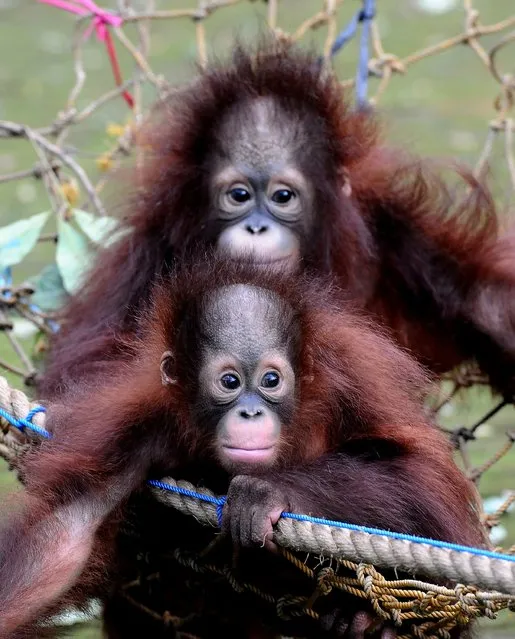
pixel 358 449
pixel 426 262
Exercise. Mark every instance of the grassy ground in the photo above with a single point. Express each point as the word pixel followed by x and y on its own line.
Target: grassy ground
pixel 441 107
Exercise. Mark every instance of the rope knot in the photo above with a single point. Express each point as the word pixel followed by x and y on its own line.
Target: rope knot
pixel 325 579
pixel 102 18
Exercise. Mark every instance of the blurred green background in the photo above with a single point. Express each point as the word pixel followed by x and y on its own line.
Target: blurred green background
pixel 441 107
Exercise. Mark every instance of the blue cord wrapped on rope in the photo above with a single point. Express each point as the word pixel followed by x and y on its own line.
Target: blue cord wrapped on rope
pixel 26 422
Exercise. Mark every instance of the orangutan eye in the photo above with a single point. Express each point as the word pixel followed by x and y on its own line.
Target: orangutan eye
pixel 239 195
pixel 282 196
pixel 270 379
pixel 230 382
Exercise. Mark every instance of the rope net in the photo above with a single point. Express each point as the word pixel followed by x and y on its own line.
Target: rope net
pixel 75 183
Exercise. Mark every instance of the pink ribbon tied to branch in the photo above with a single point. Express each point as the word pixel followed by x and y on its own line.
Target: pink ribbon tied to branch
pixel 102 20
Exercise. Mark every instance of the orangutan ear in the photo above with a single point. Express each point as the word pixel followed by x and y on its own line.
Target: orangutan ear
pixel 167 368
pixel 345 182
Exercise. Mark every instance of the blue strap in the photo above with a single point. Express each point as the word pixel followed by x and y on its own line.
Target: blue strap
pixel 364 15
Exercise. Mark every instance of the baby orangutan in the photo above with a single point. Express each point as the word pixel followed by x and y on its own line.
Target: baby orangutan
pixel 260 386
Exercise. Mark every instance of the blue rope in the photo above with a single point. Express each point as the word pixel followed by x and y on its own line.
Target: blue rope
pixel 401 536
pixel 364 15
pixel 23 423
pixel 219 502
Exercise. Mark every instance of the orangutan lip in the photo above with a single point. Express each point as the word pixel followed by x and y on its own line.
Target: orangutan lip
pixel 247 453
pixel 248 450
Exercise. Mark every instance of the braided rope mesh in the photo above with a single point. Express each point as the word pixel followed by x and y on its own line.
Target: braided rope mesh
pixel 444 80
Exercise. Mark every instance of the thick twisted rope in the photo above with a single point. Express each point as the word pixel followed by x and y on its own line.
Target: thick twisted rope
pixel 382 548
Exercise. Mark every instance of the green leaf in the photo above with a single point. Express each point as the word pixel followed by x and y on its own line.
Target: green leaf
pixel 73 255
pixel 18 239
pixel 50 294
pixel 101 230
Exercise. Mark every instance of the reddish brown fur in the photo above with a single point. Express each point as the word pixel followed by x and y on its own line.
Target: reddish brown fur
pixel 358 449
pixel 405 246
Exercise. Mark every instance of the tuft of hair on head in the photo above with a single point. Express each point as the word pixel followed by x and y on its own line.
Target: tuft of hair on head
pixel 176 138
